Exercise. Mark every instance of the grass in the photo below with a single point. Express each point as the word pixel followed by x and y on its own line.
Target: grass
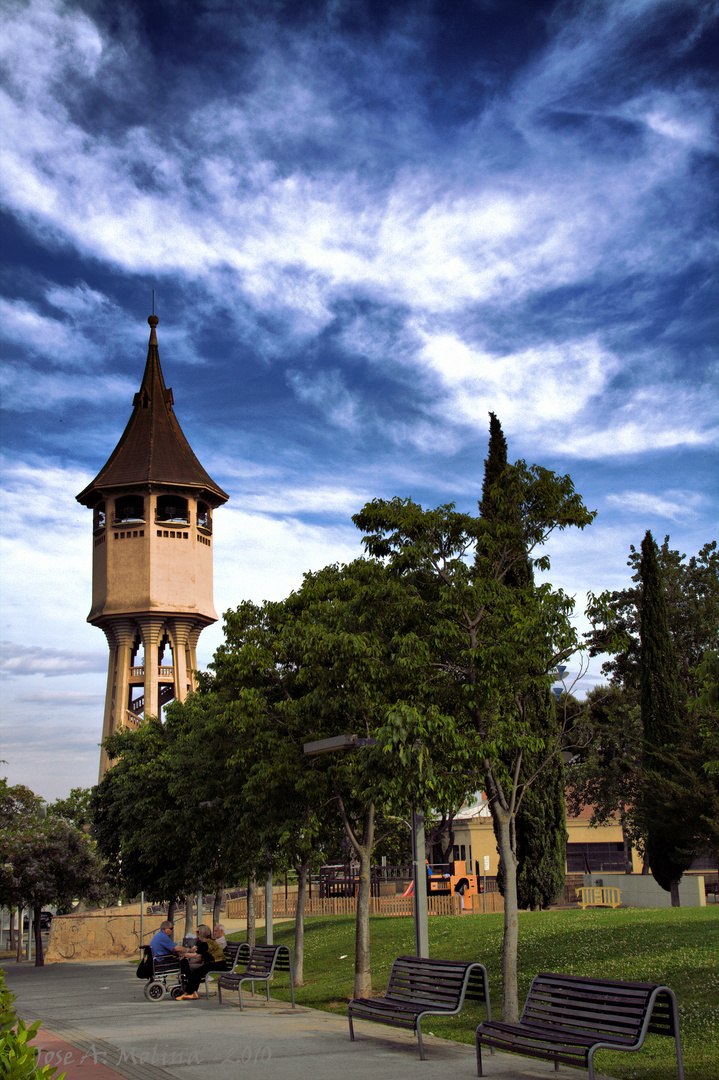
pixel 677 947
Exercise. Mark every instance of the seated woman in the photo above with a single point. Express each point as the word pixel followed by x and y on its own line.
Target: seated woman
pixel 212 959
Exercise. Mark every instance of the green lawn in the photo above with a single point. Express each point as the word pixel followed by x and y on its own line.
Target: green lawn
pixel 676 947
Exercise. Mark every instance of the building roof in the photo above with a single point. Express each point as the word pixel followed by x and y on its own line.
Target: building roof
pixel 152 448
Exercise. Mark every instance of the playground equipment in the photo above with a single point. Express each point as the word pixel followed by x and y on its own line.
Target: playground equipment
pixel 465 885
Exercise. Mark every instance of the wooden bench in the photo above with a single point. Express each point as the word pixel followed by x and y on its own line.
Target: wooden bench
pixel 598 896
pixel 235 954
pixel 420 987
pixel 566 1018
pixel 262 963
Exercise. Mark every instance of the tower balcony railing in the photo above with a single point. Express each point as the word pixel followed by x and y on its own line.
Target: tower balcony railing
pixel 163 671
pixel 128 518
pixel 172 515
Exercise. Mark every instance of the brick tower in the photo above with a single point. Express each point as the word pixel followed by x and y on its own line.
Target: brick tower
pixel 152 505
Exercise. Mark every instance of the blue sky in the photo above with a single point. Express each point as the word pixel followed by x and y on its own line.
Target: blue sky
pixel 367 225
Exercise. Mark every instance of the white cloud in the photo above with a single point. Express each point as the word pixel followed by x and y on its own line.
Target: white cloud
pixel 675 505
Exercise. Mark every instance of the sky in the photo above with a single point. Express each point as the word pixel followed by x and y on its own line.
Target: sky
pixel 367 223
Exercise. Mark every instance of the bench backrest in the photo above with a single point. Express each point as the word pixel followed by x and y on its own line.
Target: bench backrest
pixel 265 959
pixel 619 1009
pixel 420 980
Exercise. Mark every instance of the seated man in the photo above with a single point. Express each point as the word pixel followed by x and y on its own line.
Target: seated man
pixel 162 944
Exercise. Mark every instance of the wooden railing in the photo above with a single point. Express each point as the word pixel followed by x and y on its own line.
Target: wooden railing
pixel 343 905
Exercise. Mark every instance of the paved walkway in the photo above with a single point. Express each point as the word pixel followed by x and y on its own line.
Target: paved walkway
pixel 97 1025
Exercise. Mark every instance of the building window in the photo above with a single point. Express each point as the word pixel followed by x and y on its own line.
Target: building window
pixel 204 517
pixel 98 517
pixel 129 508
pixel 594 858
pixel 172 508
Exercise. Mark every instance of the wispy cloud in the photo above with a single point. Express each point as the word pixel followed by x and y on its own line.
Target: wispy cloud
pixel 32 660
pixel 675 505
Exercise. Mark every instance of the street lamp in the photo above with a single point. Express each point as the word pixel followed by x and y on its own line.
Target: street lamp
pixel 419 873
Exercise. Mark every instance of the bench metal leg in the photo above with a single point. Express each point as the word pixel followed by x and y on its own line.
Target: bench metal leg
pixel 419 1040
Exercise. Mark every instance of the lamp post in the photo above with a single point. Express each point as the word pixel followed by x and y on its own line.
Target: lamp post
pixel 419 873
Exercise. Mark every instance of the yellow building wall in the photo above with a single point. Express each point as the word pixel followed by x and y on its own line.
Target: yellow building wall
pixel 478 834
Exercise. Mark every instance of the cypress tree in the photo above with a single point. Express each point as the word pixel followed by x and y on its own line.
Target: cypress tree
pixel 541 835
pixel 667 823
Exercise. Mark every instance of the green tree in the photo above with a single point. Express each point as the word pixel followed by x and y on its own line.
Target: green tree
pixel 48 862
pixel 140 827
pixel 605 771
pixel 540 826
pixel 76 808
pixel 670 845
pixel 354 630
pixel 486 647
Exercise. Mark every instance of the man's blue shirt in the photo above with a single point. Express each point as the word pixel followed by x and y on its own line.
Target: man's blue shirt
pixel 161 944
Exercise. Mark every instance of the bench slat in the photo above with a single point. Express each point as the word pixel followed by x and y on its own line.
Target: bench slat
pixel 419 986
pixel 566 1018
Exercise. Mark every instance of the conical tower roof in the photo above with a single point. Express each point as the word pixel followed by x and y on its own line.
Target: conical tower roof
pixel 153 448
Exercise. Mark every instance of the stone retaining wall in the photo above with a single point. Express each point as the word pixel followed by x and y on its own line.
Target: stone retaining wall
pixel 103 935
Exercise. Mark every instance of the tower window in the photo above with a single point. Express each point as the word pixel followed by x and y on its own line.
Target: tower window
pixel 172 508
pixel 98 517
pixel 129 508
pixel 204 517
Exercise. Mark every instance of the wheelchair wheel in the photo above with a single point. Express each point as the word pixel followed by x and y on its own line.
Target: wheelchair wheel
pixel 154 991
pixel 176 992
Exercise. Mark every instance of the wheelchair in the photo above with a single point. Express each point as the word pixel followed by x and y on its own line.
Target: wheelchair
pixel 166 977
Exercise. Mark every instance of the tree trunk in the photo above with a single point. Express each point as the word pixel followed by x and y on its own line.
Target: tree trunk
pixel 510 991
pixel 188 916
pixel 299 960
pixel 217 906
pixel 39 955
pixel 11 943
pixel 251 913
pixel 363 973
pixel 674 890
pixel 171 908
pixel 363 850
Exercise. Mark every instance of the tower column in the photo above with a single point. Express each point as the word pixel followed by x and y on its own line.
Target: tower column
pixel 109 696
pixel 120 634
pixel 191 661
pixel 179 630
pixel 152 627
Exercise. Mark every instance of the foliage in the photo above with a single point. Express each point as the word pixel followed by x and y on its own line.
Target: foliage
pixel 691 589
pixel 76 808
pixel 18 1059
pixel 541 833
pixel 538 835
pixel 486 642
pixel 668 825
pixel 605 771
pixel 43 861
pixel 17 802
pixel 49 862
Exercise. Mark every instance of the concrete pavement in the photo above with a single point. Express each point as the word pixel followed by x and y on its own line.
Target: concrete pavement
pixel 97 1025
